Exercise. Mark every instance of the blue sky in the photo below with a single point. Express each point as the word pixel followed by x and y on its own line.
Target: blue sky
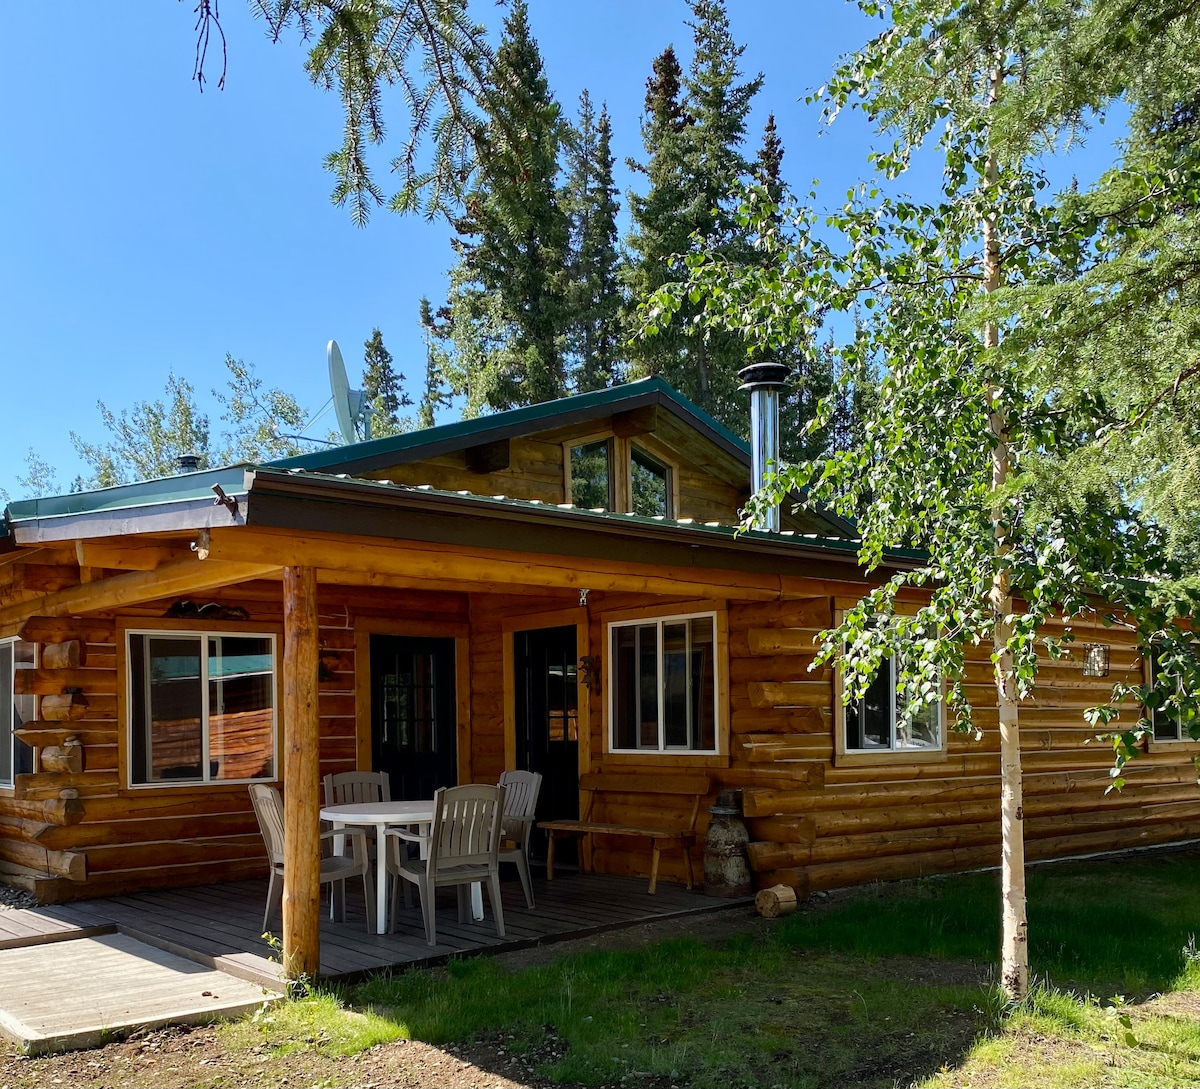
pixel 150 228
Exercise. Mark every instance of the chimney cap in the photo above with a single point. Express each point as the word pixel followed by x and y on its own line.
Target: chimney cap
pixel 187 463
pixel 763 375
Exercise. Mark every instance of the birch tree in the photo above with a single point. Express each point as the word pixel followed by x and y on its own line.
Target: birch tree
pixel 960 459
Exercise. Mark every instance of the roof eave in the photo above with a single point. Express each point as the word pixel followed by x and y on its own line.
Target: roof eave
pixel 305 486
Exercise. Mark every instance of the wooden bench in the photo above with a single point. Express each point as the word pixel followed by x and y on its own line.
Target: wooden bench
pixel 683 784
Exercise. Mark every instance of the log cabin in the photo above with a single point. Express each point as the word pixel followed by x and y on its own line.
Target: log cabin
pixel 559 588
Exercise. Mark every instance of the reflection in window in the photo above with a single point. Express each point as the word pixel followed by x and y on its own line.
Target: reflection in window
pixel 408 692
pixel 662 685
pixel 562 710
pixel 1170 723
pixel 591 475
pixel 16 709
pixel 875 723
pixel 202 707
pixel 650 485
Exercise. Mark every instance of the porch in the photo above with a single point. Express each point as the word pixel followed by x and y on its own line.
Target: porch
pixel 221 925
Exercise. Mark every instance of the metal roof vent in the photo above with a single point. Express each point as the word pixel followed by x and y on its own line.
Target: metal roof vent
pixel 187 463
pixel 764 381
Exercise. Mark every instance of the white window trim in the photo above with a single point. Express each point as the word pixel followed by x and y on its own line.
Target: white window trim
pixel 610 693
pixel 1153 741
pixel 847 756
pixel 206 779
pixel 8 738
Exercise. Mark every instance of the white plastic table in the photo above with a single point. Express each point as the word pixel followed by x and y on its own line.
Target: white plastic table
pixel 381 816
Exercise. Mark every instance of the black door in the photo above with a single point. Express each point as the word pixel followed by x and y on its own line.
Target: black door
pixel 414 714
pixel 547 721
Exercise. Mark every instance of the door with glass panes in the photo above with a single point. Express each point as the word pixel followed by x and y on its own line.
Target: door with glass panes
pixel 414 714
pixel 547 722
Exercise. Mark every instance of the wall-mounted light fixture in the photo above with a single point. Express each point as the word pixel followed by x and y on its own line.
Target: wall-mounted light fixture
pixel 1095 660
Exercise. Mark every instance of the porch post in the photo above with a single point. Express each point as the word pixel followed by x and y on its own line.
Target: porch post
pixel 302 851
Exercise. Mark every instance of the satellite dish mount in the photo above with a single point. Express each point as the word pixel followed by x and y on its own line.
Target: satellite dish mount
pixel 351 406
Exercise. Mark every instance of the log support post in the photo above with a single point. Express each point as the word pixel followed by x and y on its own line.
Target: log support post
pixel 302 852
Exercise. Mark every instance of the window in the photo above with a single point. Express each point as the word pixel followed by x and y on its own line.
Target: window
pixel 874 724
pixel 649 483
pixel 1170 723
pixel 16 758
pixel 591 475
pixel 662 684
pixel 201 707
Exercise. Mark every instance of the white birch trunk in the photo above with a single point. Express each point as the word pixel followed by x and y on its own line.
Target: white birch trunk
pixel 1014 943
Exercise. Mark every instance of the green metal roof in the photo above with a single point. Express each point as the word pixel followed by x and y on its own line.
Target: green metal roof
pixel 514 419
pixel 174 489
pixel 169 489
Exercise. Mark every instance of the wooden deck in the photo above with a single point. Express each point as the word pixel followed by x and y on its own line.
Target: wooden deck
pixel 222 924
pixel 69 994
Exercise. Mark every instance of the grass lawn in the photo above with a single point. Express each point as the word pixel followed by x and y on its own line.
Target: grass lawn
pixel 880 987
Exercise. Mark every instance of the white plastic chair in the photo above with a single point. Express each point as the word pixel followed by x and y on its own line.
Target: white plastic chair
pixel 268 808
pixel 346 787
pixel 462 847
pixel 520 804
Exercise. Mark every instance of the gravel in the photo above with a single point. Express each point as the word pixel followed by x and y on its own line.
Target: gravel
pixel 13 899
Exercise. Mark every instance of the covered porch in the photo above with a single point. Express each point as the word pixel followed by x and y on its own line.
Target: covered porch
pixel 221 925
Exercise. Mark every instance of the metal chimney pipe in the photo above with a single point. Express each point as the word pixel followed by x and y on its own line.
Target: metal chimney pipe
pixel 764 381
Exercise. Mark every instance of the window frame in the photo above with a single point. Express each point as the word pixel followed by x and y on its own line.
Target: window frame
pixel 670 478
pixel 182 629
pixel 846 756
pixel 678 612
pixel 614 490
pixel 7 786
pixel 1181 741
pixel 620 470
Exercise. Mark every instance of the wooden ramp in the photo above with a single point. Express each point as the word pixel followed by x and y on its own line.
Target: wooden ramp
pixel 74 992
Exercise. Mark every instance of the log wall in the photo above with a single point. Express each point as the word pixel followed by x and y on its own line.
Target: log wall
pixel 858 822
pixel 816 821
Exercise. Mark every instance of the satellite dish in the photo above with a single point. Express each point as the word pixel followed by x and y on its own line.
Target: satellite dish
pixel 353 412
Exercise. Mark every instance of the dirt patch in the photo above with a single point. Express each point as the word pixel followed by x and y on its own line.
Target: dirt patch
pixel 202 1056
pixel 199 1056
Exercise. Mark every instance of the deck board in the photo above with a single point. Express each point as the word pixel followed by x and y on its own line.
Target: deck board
pixel 72 994
pixel 226 920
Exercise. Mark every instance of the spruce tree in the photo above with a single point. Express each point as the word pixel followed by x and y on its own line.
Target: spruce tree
pixel 382 388
pixel 593 326
pixel 660 224
pixel 434 334
pixel 811 368
pixel 693 131
pixel 506 292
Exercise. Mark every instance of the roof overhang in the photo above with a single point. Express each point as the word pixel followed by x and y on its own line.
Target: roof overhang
pixel 307 502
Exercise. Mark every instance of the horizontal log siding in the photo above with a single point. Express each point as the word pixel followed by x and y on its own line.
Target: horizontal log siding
pixel 865 823
pixel 814 823
pixel 125 840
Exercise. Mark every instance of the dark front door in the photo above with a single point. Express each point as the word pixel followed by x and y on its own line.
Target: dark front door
pixel 413 714
pixel 547 720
